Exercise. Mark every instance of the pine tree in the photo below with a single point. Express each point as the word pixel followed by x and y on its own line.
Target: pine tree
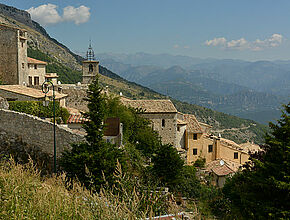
pixel 262 189
pixel 94 159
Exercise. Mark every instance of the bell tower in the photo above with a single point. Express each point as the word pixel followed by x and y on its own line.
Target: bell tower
pixel 90 66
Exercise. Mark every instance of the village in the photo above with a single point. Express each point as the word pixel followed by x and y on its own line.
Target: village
pixel 22 78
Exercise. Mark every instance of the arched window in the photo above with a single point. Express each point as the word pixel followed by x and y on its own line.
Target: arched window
pixel 163 122
pixel 91 68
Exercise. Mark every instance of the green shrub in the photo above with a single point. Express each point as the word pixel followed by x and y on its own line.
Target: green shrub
pixel 36 108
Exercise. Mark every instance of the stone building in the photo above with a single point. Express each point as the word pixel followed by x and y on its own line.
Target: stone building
pixel 13 55
pixel 190 137
pixel 90 68
pixel 15 67
pixel 162 114
pixel 36 71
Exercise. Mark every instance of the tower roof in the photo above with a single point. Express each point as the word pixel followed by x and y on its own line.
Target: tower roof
pixel 90 53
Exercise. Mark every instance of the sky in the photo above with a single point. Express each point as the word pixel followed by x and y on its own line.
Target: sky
pixel 235 29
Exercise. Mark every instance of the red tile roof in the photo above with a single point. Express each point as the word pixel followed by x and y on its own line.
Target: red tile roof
pixel 35 61
pixel 76 119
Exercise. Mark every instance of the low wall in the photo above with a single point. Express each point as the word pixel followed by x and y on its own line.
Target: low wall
pixel 37 132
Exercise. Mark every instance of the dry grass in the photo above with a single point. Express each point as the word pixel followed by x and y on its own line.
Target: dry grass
pixel 25 195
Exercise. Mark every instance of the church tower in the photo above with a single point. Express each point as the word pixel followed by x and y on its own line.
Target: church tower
pixel 90 67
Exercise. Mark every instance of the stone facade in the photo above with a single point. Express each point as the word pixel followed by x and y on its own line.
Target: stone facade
pixel 15 67
pixel 37 132
pixel 90 71
pixel 13 55
pixel 166 126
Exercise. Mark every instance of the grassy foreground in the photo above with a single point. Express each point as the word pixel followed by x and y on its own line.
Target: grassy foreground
pixel 24 194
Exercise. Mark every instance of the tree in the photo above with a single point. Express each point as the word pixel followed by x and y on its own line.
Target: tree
pixel 262 189
pixel 92 160
pixel 167 165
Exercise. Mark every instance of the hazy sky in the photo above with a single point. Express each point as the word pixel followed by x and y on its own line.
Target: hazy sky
pixel 242 29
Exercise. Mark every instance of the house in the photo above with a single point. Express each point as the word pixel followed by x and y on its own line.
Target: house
pixel 163 115
pixel 36 71
pixel 24 93
pixel 219 171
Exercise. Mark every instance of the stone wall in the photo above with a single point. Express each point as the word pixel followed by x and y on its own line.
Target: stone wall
pixel 168 132
pixel 37 132
pixel 8 55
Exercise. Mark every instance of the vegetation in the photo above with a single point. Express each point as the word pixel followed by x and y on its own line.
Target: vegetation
pixel 262 189
pixel 92 160
pixel 27 195
pixel 36 108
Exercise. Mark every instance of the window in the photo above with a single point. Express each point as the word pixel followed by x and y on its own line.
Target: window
pixel 194 136
pixel 36 80
pixel 163 122
pixel 194 151
pixel 210 148
pixel 22 65
pixel 178 128
pixel 35 66
pixel 236 155
pixel 22 44
pixel 30 80
pixel 91 68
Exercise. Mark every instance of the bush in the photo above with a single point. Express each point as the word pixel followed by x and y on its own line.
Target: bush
pixel 36 108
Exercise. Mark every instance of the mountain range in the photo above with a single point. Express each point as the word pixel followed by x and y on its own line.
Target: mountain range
pixel 254 90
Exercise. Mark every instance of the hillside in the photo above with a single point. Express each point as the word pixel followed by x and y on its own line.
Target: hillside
pixel 62 61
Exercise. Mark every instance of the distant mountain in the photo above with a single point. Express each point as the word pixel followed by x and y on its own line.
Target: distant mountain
pixel 254 90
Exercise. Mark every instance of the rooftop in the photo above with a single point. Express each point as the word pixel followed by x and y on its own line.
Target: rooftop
pixel 192 124
pixel 151 106
pixel 76 119
pixel 35 61
pixel 31 92
pixel 223 170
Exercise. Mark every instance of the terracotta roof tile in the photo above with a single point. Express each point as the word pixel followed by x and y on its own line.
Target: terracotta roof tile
pixel 222 170
pixel 35 61
pixel 76 119
pixel 192 124
pixel 151 106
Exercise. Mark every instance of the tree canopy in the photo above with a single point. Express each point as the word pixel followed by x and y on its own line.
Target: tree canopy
pixel 262 189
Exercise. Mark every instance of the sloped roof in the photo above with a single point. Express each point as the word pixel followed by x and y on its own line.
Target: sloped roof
pixel 76 119
pixel 31 92
pixel 222 170
pixel 151 106
pixel 234 166
pixel 192 124
pixel 35 61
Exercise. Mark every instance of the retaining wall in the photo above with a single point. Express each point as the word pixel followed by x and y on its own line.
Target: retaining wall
pixel 37 132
